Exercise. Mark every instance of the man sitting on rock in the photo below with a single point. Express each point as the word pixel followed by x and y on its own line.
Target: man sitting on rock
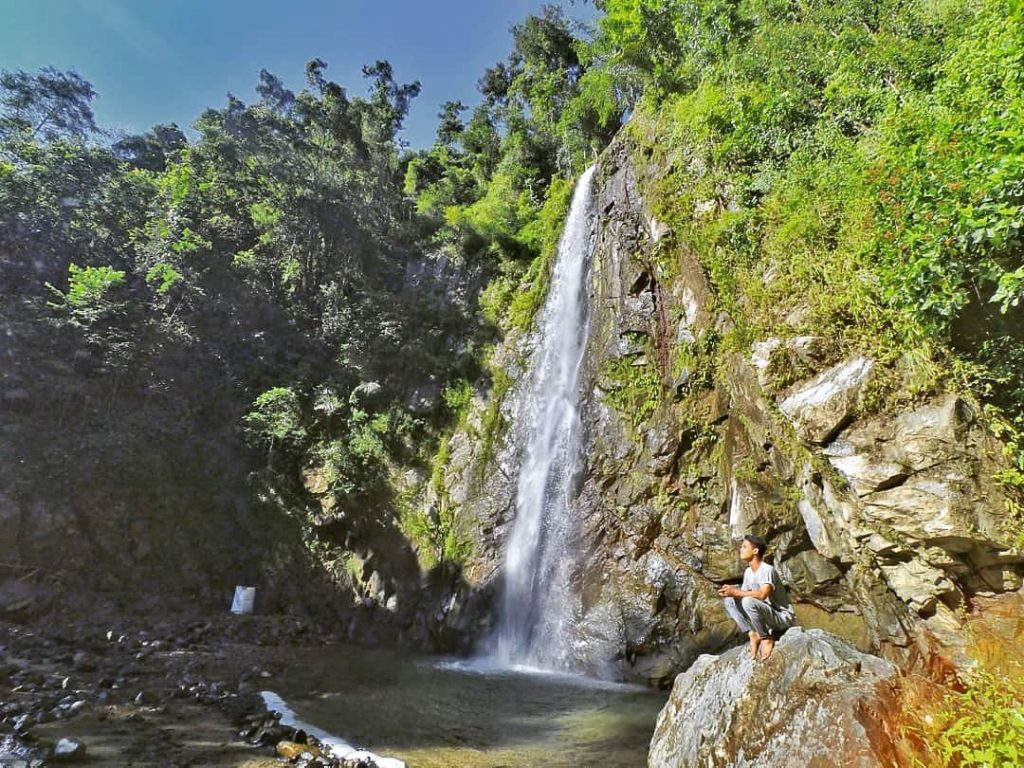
pixel 761 606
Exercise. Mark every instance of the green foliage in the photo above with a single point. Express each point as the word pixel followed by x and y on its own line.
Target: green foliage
pixel 353 567
pixel 861 156
pixel 449 545
pixel 92 294
pixel 699 361
pixel 982 726
pixel 496 298
pixel 47 105
pixel 633 387
pixel 493 422
pixel 273 247
pixel 162 277
pixel 457 397
pixel 517 309
pixel 482 183
pixel 357 453
pixel 435 532
pixel 276 417
pixel 950 181
pixel 1012 477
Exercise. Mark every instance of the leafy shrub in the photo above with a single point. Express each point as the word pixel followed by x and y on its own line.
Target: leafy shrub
pixel 981 726
pixel 276 417
pixel 92 294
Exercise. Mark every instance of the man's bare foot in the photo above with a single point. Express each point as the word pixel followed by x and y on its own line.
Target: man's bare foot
pixel 767 646
pixel 755 640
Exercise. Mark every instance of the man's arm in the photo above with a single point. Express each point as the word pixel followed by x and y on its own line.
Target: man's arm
pixel 761 593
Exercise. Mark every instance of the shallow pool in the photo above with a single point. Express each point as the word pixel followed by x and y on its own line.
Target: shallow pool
pixel 436 713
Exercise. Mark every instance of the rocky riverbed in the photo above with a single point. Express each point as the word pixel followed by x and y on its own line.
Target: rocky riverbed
pixel 164 692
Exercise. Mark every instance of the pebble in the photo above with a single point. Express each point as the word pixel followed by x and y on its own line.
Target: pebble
pixel 99 669
pixel 69 750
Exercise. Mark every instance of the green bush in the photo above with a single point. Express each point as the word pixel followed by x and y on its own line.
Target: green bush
pixel 92 294
pixel 276 417
pixel 983 726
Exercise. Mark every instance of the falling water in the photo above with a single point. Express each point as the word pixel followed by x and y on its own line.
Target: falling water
pixel 537 616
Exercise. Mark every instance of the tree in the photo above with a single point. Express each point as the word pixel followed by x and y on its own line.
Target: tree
pixel 450 126
pixel 151 150
pixel 47 105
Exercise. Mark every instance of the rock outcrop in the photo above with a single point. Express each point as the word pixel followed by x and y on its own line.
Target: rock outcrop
pixel 877 522
pixel 816 702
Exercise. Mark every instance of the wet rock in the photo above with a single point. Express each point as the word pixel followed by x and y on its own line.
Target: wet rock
pixel 816 698
pixel 886 616
pixel 919 585
pixel 809 573
pixel 882 453
pixel 638 312
pixel 267 734
pixel 146 699
pixel 14 753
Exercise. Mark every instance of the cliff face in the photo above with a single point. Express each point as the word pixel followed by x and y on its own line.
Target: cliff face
pixel 881 522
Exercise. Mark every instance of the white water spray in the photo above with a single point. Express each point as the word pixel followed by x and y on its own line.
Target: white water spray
pixel 539 610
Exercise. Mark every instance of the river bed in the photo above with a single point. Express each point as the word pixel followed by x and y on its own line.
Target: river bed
pixel 439 713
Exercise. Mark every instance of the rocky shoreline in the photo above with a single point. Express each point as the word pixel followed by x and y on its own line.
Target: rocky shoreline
pixel 164 692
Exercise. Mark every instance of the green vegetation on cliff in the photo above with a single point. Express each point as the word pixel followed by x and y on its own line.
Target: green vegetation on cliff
pixel 850 170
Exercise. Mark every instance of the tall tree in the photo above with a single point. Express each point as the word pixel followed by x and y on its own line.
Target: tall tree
pixel 46 105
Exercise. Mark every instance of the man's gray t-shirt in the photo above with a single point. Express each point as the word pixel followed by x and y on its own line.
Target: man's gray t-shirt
pixel 766 574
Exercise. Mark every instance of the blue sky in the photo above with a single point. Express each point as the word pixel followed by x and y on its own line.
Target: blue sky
pixel 162 61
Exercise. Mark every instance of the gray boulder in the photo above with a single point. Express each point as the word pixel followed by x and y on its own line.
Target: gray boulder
pixel 821 407
pixel 816 702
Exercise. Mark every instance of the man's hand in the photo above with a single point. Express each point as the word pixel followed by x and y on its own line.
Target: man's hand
pixel 761 593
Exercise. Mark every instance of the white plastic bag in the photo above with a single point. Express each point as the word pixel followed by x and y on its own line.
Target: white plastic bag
pixel 244 599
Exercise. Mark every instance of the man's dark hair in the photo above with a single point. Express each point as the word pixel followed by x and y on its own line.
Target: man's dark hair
pixel 758 542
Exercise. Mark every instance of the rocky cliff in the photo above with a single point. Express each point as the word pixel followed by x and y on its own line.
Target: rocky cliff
pixel 882 518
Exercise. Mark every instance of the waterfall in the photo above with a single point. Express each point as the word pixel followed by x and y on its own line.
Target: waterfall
pixel 537 617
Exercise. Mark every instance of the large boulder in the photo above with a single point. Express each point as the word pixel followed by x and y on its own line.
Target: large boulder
pixel 816 702
pixel 821 407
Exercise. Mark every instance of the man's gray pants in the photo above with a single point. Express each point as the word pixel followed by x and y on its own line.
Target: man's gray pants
pixel 758 615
